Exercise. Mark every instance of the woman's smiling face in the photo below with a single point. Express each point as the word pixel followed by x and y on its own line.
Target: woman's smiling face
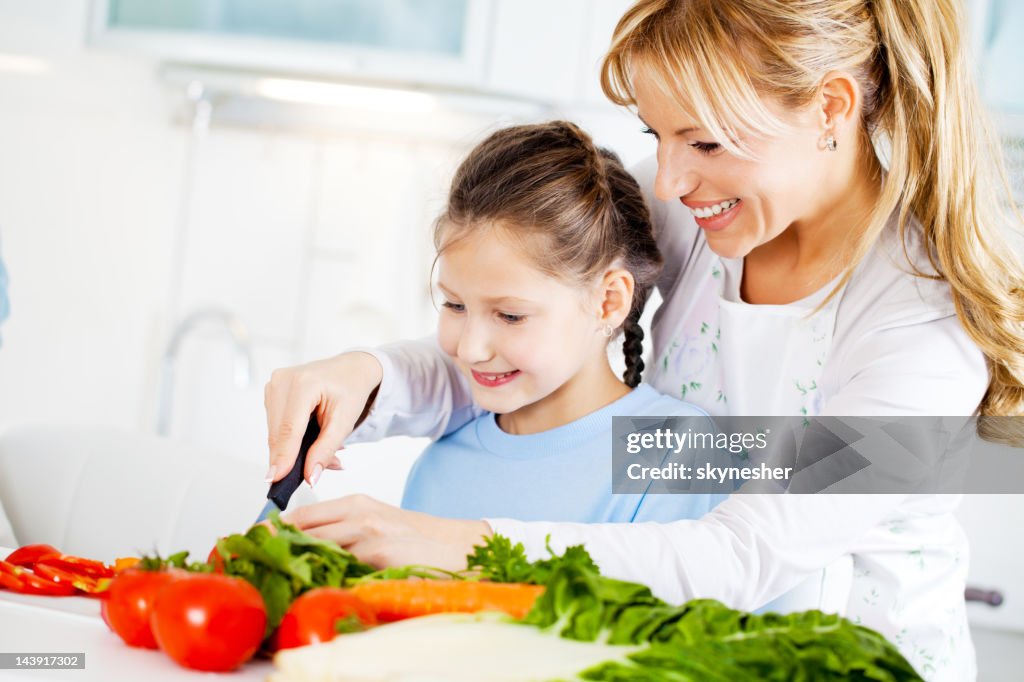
pixel 739 203
pixel 518 334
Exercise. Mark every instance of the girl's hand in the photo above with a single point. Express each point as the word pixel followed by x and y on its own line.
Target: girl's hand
pixel 383 535
pixel 340 389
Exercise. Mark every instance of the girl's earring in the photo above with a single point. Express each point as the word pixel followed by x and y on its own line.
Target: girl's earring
pixel 830 142
pixel 608 331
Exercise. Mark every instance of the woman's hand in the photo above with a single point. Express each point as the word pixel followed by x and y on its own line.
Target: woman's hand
pixel 383 535
pixel 340 389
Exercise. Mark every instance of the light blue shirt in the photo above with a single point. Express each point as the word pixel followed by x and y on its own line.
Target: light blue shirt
pixel 564 474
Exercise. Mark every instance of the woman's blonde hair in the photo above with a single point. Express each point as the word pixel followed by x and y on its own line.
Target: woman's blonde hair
pixel 719 59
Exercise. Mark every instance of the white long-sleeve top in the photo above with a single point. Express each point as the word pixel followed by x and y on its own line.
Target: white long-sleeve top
pixel 889 344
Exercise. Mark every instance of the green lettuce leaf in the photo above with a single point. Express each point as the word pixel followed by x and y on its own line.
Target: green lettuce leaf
pixel 702 640
pixel 286 563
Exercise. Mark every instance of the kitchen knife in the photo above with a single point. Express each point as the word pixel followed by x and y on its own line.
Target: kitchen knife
pixel 281 491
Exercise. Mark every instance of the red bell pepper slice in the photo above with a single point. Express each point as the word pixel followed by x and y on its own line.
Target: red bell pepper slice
pixel 79 566
pixel 30 554
pixel 24 581
pixel 42 569
pixel 10 582
pixel 35 584
pixel 91 586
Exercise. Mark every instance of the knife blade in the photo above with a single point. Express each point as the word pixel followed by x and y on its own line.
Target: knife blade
pixel 281 491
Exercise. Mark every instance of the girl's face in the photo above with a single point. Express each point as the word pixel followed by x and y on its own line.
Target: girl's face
pixel 739 203
pixel 519 335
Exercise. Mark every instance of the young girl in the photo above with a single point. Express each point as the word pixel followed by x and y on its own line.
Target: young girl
pixel 544 253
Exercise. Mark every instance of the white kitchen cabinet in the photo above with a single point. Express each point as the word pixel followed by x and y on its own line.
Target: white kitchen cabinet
pixel 602 16
pixel 537 49
pixel 552 51
pixel 435 44
pixel 610 125
pixel 43 27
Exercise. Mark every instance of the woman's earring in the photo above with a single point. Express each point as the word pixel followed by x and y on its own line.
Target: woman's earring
pixel 608 331
pixel 830 142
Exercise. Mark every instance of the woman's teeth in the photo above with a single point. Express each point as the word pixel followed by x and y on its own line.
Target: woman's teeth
pixel 709 211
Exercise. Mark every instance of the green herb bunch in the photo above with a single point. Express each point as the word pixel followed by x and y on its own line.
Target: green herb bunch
pixel 700 641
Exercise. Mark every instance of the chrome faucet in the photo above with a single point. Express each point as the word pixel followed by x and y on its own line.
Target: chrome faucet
pixel 243 369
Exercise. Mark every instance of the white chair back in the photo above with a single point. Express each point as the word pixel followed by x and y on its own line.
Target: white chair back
pixel 102 493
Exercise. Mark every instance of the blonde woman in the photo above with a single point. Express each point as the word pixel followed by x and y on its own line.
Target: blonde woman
pixel 831 236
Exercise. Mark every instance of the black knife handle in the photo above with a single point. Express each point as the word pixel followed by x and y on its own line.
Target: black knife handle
pixel 281 491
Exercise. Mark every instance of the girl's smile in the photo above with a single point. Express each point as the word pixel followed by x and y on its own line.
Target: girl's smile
pixel 492 380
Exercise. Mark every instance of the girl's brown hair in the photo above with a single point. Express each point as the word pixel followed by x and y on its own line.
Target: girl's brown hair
pixel 571 204
pixel 719 58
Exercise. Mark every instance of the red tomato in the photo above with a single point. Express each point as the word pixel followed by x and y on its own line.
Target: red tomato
pixel 208 621
pixel 314 617
pixel 30 554
pixel 127 605
pixel 103 610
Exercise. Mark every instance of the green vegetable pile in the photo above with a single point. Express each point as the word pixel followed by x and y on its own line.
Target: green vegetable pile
pixel 702 640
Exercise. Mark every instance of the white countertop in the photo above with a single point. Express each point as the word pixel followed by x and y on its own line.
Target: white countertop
pixel 50 625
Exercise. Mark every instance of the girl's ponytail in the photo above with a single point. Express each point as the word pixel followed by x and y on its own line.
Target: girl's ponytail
pixel 630 221
pixel 633 348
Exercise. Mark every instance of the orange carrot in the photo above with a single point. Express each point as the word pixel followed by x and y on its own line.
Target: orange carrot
pixel 393 600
